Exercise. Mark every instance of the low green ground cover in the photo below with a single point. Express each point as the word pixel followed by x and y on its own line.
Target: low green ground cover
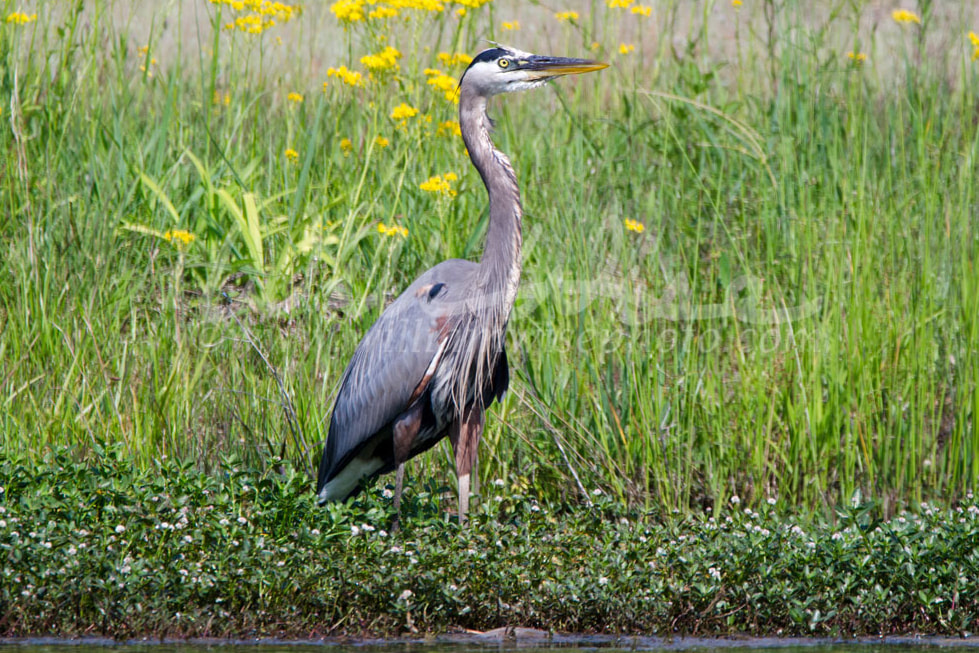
pixel 170 551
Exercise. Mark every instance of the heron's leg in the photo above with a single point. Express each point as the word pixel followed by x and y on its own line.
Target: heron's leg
pixel 404 431
pixel 464 435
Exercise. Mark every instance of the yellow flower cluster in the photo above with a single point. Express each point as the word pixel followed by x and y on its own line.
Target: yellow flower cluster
pixel 736 4
pixel 179 237
pixel 348 77
pixel 403 112
pixel 642 10
pixel 20 18
pixel 393 230
pixel 457 59
pixel 974 39
pixel 380 141
pixel 348 11
pixel 346 146
pixel 634 225
pixel 515 25
pixel 148 62
pixel 567 16
pixel 440 185
pixel 619 4
pixel 295 97
pixel 626 48
pixel 857 57
pixel 382 12
pixel 387 59
pixel 444 83
pixel 355 11
pixel 449 128
pixel 256 16
pixel 905 16
pixel 292 155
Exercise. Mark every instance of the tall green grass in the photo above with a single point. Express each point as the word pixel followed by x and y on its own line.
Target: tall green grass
pixel 797 319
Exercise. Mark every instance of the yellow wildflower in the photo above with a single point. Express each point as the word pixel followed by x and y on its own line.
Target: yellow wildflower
pixel 440 185
pixel 619 4
pixel 974 38
pixel 736 4
pixel 856 57
pixel 473 4
pixel 180 238
pixel 564 16
pixel 642 10
pixel 431 6
pixel 403 112
pixel 457 59
pixel 626 48
pixel 348 11
pixel 256 16
pixel 346 146
pixel 295 97
pixel 634 225
pixel 348 77
pixel 393 230
pixel 292 155
pixel 444 83
pixel 515 25
pixel 382 13
pixel 387 59
pixel 222 99
pixel 461 11
pixel 905 16
pixel 20 18
pixel 380 141
pixel 449 128
pixel 147 67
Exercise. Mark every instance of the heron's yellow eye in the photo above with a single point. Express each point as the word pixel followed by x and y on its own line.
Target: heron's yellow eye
pixel 504 63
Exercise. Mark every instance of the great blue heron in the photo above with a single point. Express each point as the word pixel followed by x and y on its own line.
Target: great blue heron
pixel 436 358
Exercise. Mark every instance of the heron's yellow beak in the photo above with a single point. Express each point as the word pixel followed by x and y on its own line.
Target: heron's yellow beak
pixel 540 67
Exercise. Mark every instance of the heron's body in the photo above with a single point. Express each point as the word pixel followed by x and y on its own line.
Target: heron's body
pixel 435 359
pixel 410 335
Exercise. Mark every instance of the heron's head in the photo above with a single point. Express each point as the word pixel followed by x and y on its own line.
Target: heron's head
pixel 504 70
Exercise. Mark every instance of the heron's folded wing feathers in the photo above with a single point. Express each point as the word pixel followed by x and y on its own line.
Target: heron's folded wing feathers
pixel 388 365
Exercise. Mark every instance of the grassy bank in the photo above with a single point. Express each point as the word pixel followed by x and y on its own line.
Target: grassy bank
pixel 199 224
pixel 170 551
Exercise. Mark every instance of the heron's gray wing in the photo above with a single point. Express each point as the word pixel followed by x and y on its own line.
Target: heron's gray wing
pixel 390 362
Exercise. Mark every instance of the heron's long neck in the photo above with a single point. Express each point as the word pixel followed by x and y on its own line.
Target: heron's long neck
pixel 500 265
